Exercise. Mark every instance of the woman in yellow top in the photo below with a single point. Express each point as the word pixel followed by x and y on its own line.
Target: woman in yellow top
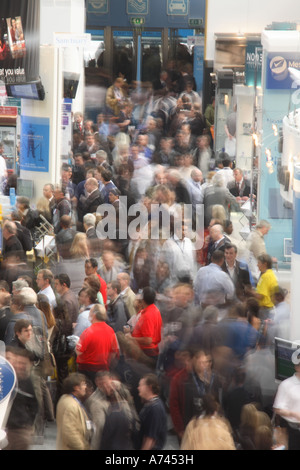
pixel 266 285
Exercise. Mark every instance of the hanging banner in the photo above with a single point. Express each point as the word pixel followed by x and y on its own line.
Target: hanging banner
pixel 19 41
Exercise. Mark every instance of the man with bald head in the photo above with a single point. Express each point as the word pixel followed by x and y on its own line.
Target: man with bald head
pixel 219 241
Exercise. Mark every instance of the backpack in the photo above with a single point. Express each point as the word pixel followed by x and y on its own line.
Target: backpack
pixel 60 345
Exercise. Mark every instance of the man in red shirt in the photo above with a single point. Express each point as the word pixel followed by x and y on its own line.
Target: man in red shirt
pixel 147 331
pixel 97 348
pixel 91 267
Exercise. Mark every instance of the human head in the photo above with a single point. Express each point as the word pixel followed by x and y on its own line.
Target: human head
pixel 149 296
pixel 21 360
pixel 216 232
pixel 113 289
pixel 17 303
pixel 18 285
pixel 90 266
pixel 23 330
pixel 75 384
pixel 124 280
pixel 202 362
pixel 218 257
pixel 230 254
pixel 89 220
pixel 48 191
pixel 28 295
pixel 90 185
pixel 62 283
pixel 44 278
pixel 98 313
pixel 108 259
pixel 264 262
pixel 87 296
pixel 148 386
pixel 263 226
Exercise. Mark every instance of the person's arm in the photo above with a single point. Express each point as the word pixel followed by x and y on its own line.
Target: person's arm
pixel 148 443
pixel 289 414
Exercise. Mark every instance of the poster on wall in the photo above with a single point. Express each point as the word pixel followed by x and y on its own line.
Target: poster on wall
pixel 34 144
pixel 19 41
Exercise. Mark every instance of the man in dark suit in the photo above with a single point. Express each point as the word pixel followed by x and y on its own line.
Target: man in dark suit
pixel 240 187
pixel 238 271
pixel 219 241
pixel 23 233
pixel 93 200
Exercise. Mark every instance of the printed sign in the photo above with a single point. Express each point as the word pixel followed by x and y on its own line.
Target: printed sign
pixel 279 74
pixel 34 144
pixel 137 7
pixel 97 6
pixel 177 7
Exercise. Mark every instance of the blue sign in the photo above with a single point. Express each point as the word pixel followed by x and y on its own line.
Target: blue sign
pixel 7 379
pixel 278 76
pixel 177 7
pixel 34 144
pixel 137 7
pixel 97 6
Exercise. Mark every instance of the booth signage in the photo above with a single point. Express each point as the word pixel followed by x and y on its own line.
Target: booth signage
pixel 195 22
pixel 137 21
pixel 177 7
pixel 97 6
pixel 19 41
pixel 137 7
pixel 278 75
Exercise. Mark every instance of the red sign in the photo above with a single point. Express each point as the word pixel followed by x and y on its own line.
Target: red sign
pixel 8 111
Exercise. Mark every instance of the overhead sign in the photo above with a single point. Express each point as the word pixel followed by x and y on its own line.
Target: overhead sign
pixel 177 7
pixel 97 6
pixel 137 7
pixel 19 41
pixel 72 39
pixel 195 22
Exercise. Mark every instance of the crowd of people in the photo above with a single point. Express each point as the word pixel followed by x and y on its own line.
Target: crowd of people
pixel 139 316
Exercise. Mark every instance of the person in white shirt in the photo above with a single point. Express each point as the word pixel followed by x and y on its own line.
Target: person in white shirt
pixel 287 405
pixel 44 279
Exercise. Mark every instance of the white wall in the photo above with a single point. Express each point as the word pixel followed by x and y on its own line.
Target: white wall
pixel 61 16
pixel 246 16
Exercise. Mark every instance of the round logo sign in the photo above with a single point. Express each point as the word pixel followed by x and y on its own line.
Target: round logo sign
pixel 279 68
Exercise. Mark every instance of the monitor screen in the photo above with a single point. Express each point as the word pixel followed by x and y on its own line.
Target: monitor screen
pixel 29 91
pixel 24 188
pixel 284 367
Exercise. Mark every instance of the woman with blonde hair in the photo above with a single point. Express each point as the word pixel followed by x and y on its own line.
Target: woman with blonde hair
pixel 79 247
pixel 209 431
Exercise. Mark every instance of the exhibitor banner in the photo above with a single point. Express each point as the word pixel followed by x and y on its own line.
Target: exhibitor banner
pixel 19 41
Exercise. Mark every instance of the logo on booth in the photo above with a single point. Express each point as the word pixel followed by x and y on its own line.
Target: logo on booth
pixel 279 68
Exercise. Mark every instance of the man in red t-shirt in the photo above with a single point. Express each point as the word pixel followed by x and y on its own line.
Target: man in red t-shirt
pixel 91 267
pixel 97 348
pixel 147 331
